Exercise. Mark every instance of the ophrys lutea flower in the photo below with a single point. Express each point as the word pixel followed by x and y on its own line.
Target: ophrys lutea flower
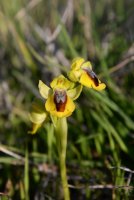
pixel 37 115
pixel 59 96
pixel 81 71
pixel 58 104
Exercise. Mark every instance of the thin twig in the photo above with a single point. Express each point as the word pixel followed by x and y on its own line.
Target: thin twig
pixel 129 179
pixel 123 168
pixel 102 187
pixel 10 153
pixel 23 11
pixel 119 65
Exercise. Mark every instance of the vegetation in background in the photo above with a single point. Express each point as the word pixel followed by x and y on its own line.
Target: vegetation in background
pixel 38 39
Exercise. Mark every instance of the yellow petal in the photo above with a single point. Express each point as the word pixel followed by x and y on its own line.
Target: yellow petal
pixel 86 65
pixel 74 75
pixel 61 82
pixel 76 63
pixel 77 67
pixel 37 114
pixel 75 92
pixel 37 117
pixel 43 89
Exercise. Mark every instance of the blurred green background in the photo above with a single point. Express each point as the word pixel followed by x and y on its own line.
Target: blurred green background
pixel 38 40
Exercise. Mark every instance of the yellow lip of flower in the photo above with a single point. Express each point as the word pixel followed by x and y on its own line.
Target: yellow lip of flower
pixel 89 82
pixel 60 96
pixel 61 109
pixel 82 72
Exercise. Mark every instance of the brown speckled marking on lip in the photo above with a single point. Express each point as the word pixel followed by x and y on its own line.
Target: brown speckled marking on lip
pixel 92 75
pixel 60 100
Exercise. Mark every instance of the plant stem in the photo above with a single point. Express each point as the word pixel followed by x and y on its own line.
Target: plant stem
pixel 26 175
pixel 61 139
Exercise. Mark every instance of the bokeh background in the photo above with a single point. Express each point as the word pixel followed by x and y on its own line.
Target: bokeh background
pixel 38 40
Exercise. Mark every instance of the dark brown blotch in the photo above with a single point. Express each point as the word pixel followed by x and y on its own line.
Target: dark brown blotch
pixel 93 76
pixel 60 100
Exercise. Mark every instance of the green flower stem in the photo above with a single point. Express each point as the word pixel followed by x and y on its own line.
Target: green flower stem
pixel 61 139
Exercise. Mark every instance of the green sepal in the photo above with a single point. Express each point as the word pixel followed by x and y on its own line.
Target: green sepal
pixel 35 128
pixel 43 89
pixel 72 76
pixel 75 92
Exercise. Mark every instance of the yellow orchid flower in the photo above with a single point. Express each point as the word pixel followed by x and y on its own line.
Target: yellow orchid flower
pixel 59 98
pixel 37 115
pixel 81 71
